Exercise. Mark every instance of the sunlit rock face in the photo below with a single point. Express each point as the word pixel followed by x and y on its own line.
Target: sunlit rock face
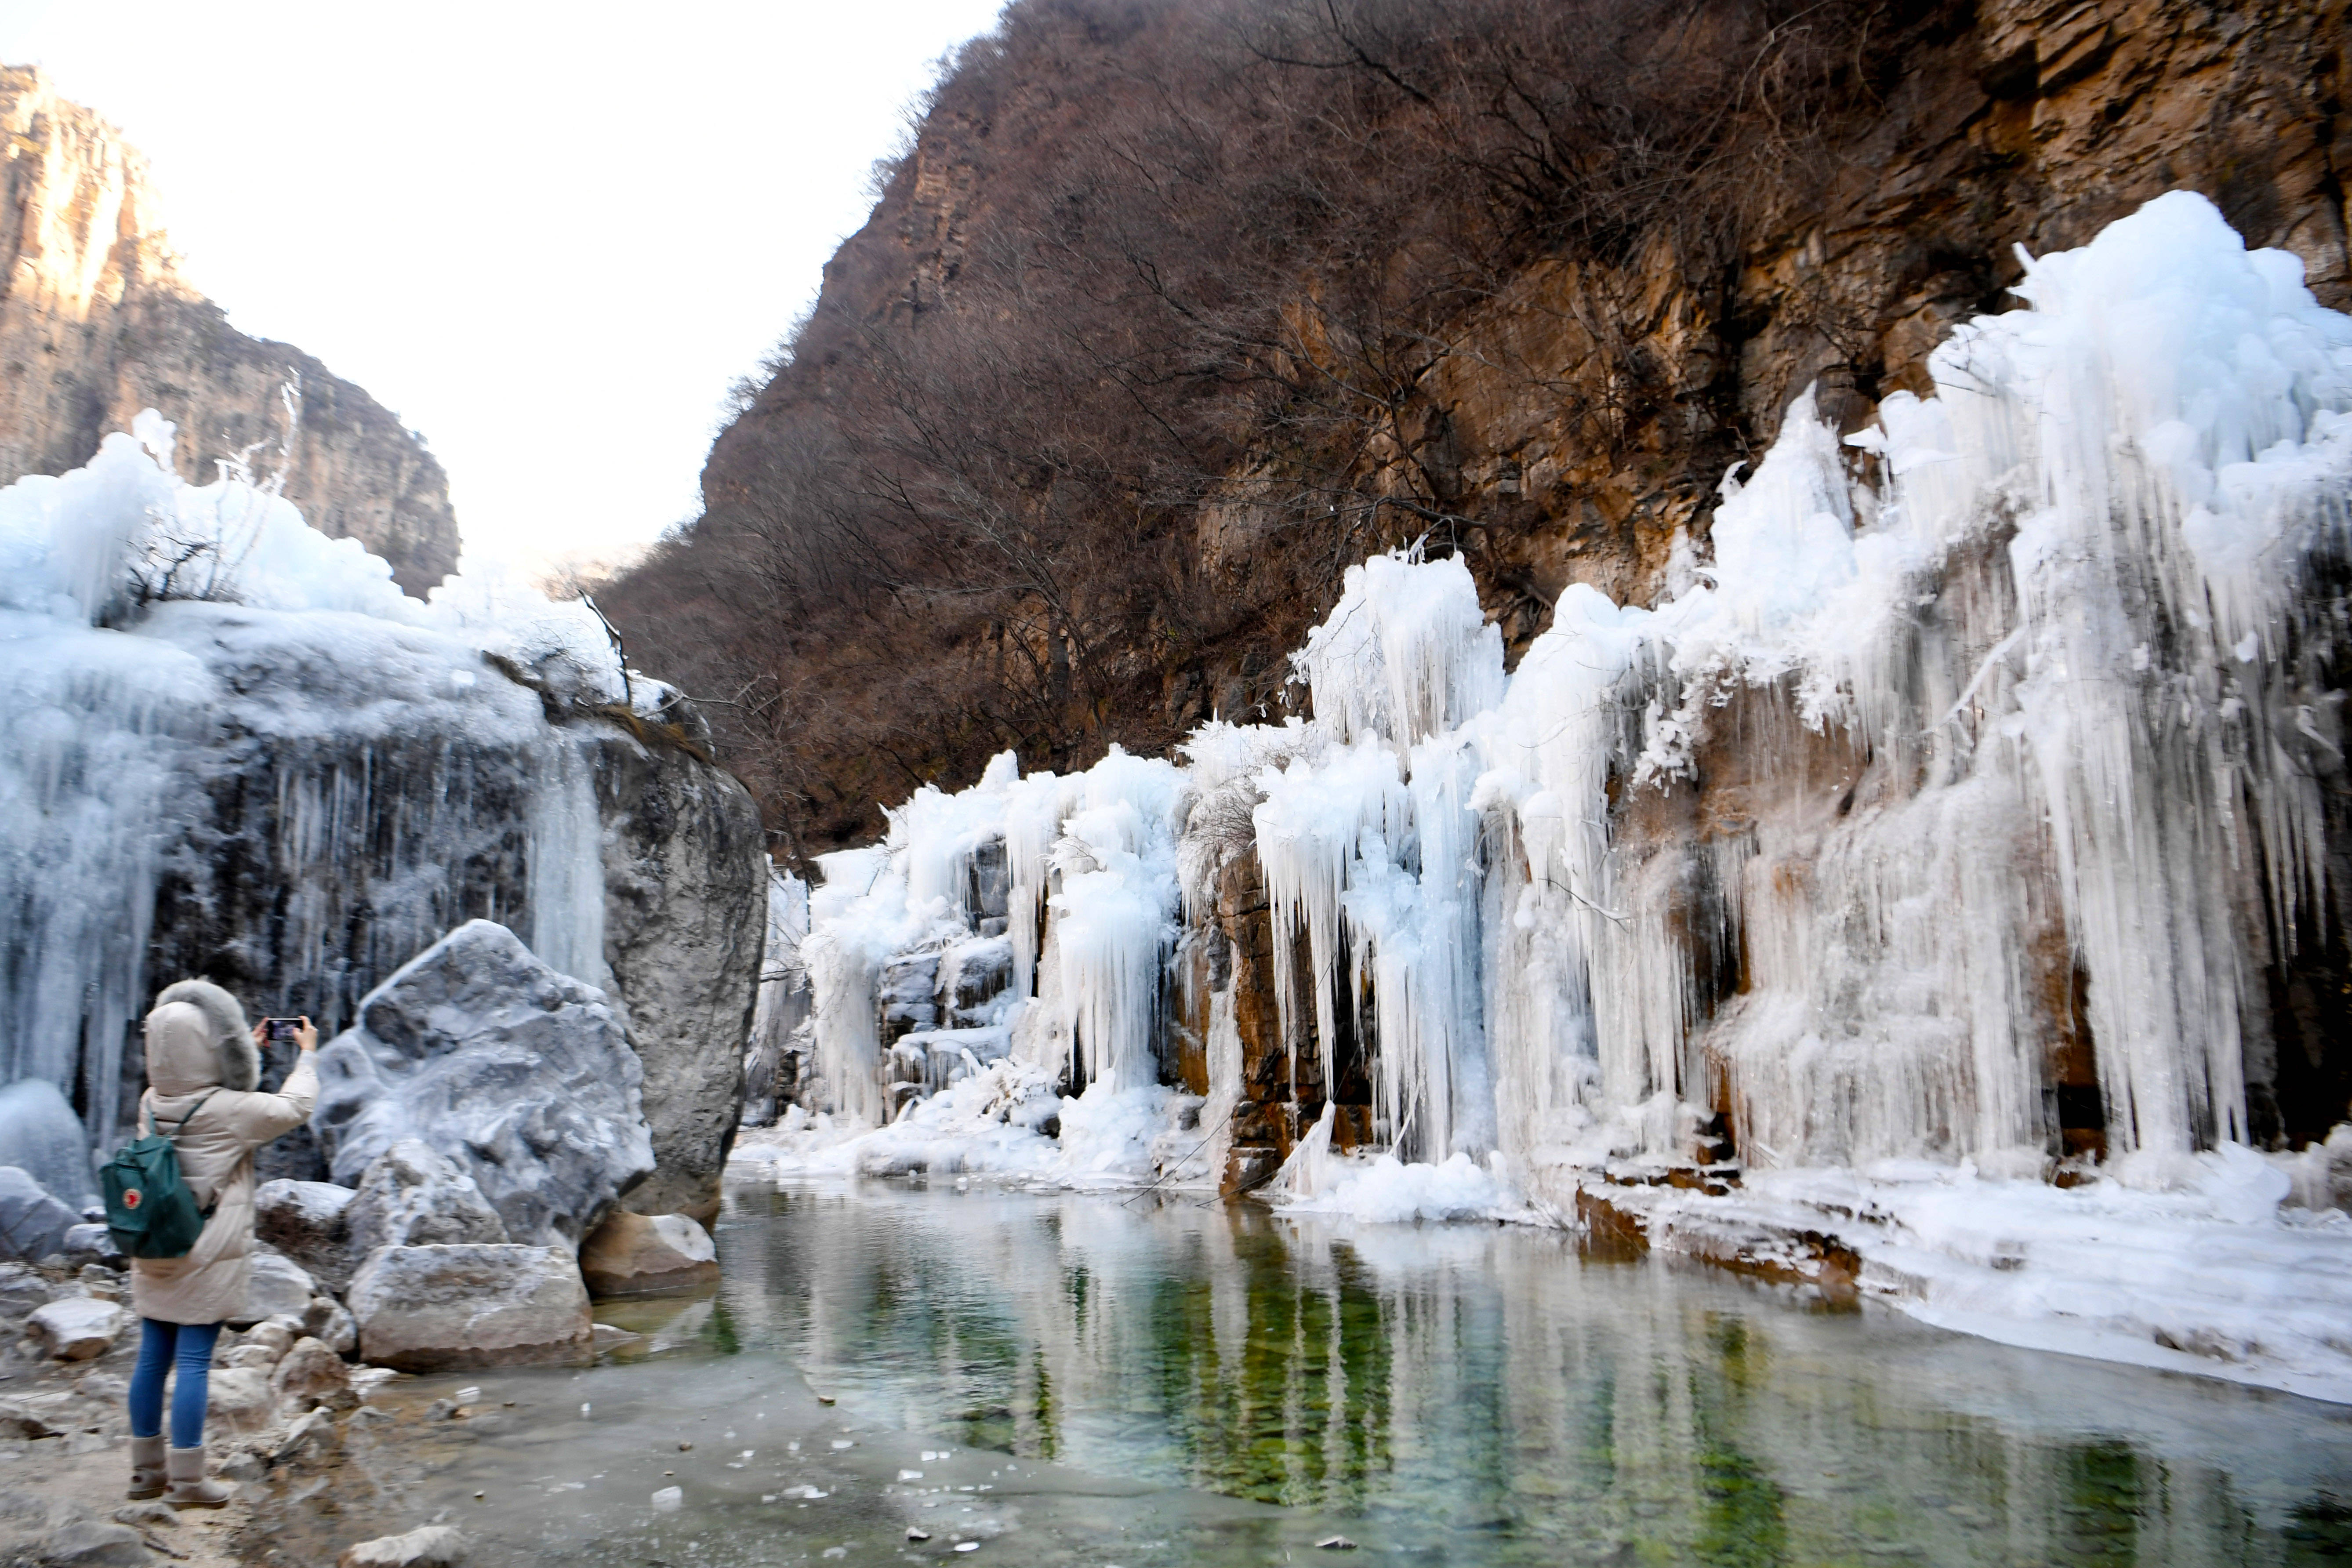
pixel 96 323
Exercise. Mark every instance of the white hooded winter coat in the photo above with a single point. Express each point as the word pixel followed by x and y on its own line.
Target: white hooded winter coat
pixel 197 1043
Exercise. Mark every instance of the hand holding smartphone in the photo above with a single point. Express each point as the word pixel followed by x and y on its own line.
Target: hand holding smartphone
pixel 270 1031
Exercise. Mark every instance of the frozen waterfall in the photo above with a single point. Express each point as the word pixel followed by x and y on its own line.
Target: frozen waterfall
pixel 237 749
pixel 1968 804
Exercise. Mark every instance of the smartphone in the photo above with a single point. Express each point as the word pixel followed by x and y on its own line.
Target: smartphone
pixel 284 1029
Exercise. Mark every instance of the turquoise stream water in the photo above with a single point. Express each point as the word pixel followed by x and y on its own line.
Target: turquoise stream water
pixel 1046 1379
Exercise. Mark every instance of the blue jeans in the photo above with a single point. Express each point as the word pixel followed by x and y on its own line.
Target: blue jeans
pixel 162 1346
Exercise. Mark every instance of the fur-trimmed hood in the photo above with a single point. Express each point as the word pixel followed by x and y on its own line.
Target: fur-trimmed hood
pixel 197 1038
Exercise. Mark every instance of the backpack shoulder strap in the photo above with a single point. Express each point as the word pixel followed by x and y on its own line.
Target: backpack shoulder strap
pixel 181 1125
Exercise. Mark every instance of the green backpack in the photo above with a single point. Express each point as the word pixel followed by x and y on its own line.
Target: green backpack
pixel 149 1210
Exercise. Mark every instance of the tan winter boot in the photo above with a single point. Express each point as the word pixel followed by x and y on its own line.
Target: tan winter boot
pixel 146 1468
pixel 184 1467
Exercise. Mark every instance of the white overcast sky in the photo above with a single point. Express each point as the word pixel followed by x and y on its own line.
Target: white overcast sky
pixel 545 235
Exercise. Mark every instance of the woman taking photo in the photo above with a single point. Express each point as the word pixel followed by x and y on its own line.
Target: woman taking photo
pixel 202 1068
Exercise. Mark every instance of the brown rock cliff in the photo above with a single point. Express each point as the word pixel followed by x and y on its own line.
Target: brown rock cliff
pixel 96 324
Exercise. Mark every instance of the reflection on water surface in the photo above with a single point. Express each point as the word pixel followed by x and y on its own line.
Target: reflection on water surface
pixel 1180 1383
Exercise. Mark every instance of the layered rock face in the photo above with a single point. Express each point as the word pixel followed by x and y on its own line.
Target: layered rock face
pixel 96 324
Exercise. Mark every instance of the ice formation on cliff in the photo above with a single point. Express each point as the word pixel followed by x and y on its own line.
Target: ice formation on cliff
pixel 2155 456
pixel 2023 690
pixel 165 643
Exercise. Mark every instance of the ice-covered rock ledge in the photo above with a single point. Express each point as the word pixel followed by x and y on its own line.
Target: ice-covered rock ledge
pixel 2218 1277
pixel 1005 1121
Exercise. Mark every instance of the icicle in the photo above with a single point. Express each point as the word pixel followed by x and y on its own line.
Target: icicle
pixel 1406 653
pixel 567 868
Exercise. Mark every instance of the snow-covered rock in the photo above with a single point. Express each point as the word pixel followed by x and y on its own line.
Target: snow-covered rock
pixel 412 1196
pixel 522 1076
pixel 637 1255
pixel 76 1328
pixel 427 1308
pixel 40 1135
pixel 281 755
pixel 32 1223
pixel 276 1287
pixel 308 1222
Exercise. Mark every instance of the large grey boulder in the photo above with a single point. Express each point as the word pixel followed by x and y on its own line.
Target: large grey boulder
pixel 429 1309
pixel 309 1223
pixel 412 1196
pixel 32 1223
pixel 41 1136
pixel 520 1076
pixel 686 907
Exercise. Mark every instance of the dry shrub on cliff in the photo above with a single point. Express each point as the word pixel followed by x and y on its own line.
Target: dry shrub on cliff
pixel 1133 358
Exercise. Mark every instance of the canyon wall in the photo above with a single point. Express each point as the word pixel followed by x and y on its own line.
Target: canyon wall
pixel 1130 360
pixel 1944 784
pixel 96 323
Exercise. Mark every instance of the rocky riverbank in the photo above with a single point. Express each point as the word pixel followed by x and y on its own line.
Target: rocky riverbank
pixel 324 1452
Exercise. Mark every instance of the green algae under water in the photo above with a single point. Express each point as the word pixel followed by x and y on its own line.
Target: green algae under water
pixel 1045 1379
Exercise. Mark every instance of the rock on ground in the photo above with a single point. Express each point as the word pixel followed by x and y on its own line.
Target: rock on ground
pixel 330 1322
pixel 414 1197
pixel 40 1135
pixel 309 1437
pixel 238 1398
pixel 77 1328
pixel 425 1309
pixel 435 1546
pixel 308 1222
pixel 685 901
pixel 92 1543
pixel 277 1287
pixel 21 1290
pixel 89 1243
pixel 634 1255
pixel 16 1421
pixel 33 1222
pixel 312 1374
pixel 522 1076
